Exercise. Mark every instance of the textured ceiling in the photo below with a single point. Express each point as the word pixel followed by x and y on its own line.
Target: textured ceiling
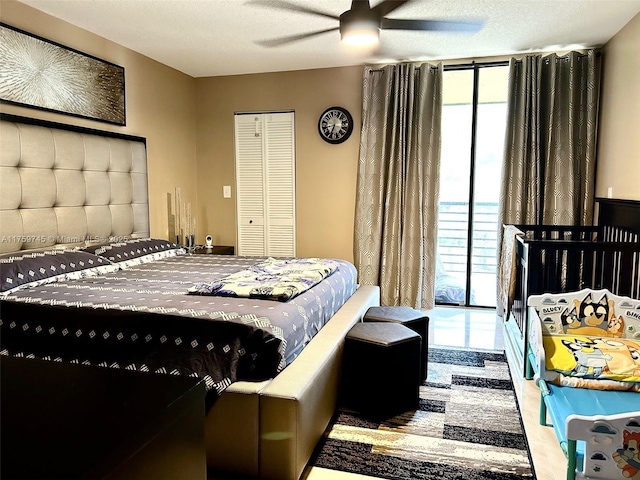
pixel 217 37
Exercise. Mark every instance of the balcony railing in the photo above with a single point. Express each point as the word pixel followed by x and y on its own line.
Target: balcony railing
pixel 453 225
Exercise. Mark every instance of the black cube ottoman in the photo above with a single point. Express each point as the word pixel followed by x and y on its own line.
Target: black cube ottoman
pixel 409 317
pixel 381 369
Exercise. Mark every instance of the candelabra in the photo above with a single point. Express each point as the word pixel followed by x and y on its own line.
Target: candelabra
pixel 182 225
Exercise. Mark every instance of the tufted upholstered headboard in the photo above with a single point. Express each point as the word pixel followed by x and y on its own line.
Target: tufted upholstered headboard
pixel 69 185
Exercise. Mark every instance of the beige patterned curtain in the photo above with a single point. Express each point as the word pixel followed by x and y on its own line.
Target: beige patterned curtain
pixel 398 176
pixel 548 171
pixel 549 162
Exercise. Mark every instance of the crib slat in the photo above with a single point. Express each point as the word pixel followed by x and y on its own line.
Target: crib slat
pixel 608 270
pixel 573 269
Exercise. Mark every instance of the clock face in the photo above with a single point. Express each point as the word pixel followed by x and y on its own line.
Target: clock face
pixel 335 125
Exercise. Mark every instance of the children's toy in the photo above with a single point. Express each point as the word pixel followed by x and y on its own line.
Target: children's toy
pixel 584 348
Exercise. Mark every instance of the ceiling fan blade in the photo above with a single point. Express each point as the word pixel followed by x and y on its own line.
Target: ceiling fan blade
pixel 276 42
pixel 429 25
pixel 283 5
pixel 386 7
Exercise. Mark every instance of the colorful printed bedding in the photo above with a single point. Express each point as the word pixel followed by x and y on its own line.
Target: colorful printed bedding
pixel 590 339
pixel 601 363
pixel 271 279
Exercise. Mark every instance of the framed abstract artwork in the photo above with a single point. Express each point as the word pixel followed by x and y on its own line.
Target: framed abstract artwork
pixel 38 73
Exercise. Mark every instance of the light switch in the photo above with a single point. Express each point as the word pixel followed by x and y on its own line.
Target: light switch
pixel 226 191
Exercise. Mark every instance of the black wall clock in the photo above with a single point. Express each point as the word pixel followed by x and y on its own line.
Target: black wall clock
pixel 335 125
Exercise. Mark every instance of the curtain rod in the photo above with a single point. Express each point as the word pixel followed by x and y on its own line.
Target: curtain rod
pixel 462 66
pixel 380 70
pixel 469 66
pixel 497 63
pixel 548 54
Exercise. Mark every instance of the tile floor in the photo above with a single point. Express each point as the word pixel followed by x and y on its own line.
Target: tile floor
pixel 482 329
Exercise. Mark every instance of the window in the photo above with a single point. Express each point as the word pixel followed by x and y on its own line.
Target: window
pixel 473 128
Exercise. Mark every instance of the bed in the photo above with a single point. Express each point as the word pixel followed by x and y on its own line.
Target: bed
pixel 585 352
pixel 69 196
pixel 556 259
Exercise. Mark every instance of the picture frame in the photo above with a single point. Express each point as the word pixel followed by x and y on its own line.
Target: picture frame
pixel 38 73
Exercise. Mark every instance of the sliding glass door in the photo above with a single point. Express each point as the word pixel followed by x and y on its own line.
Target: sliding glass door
pixel 473 127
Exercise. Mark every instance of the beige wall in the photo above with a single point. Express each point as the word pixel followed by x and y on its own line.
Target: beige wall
pixel 619 141
pixel 160 106
pixel 325 174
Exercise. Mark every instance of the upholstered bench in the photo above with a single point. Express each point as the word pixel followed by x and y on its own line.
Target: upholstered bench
pixel 381 369
pixel 409 317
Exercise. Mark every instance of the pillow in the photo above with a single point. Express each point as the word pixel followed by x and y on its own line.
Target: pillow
pixel 136 251
pixel 27 269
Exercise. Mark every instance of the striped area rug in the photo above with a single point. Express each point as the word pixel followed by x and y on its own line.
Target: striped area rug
pixel 468 427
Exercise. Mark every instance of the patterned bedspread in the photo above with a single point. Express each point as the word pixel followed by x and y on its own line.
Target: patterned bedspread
pixel 142 318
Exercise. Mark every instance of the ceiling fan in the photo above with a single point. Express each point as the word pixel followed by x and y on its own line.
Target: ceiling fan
pixel 361 24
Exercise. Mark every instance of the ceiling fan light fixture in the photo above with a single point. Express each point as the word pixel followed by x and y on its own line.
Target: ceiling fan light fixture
pixel 358 31
pixel 360 36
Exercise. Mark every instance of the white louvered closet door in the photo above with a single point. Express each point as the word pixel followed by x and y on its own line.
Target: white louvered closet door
pixel 265 183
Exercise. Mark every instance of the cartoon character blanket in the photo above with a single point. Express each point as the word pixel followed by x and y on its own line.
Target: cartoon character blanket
pixel 271 279
pixel 591 339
